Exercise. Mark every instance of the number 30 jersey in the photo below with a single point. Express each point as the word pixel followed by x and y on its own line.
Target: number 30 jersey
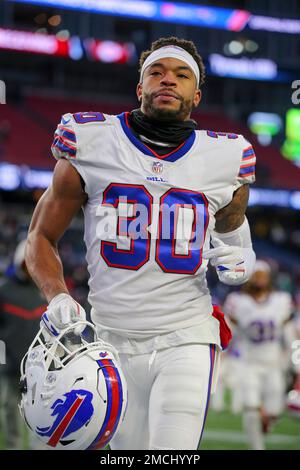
pixel 148 218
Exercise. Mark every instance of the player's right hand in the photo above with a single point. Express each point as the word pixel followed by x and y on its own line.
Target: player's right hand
pixel 62 312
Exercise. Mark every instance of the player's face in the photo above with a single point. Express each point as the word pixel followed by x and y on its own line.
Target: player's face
pixel 169 90
pixel 260 280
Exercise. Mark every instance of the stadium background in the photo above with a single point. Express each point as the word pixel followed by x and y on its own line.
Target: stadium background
pixel 60 56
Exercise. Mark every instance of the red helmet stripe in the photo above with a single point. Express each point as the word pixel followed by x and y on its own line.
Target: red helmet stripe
pixel 65 422
pixel 116 398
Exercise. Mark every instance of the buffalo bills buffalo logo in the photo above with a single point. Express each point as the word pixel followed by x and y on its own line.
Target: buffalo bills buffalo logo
pixel 72 413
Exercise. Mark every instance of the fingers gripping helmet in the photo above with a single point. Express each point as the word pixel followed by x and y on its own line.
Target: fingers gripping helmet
pixel 74 396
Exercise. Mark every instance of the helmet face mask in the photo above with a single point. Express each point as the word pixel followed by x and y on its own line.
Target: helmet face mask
pixel 73 391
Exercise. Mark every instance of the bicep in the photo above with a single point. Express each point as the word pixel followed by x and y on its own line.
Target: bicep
pixel 232 216
pixel 59 204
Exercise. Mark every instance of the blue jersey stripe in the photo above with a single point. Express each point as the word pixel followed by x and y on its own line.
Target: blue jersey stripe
pixel 63 147
pixel 248 169
pixel 248 152
pixel 66 134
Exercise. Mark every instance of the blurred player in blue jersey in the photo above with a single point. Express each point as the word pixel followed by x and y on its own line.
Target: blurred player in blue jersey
pixel 155 193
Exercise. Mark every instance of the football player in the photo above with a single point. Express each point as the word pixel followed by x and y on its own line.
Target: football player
pixel 154 191
pixel 260 313
pixel 292 342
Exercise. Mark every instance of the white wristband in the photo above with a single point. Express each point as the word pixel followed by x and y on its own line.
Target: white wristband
pixel 238 237
pixel 58 298
pixel 239 245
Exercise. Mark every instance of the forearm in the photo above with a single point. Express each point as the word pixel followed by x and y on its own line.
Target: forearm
pixel 44 266
pixel 232 229
pixel 232 216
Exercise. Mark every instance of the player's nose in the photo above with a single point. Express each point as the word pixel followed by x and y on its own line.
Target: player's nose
pixel 169 79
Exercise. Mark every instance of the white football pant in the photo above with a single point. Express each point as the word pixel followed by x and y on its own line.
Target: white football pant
pixel 168 397
pixel 263 386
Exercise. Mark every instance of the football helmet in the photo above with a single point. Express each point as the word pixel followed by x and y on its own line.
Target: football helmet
pixel 293 403
pixel 74 394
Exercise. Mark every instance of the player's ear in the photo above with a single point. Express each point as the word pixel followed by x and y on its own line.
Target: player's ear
pixel 139 91
pixel 197 97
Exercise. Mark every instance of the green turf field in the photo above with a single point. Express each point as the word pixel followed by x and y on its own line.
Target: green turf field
pixel 224 431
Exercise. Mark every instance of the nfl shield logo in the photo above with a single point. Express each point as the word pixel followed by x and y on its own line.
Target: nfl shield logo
pixel 157 167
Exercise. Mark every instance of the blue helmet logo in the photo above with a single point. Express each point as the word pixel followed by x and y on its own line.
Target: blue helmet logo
pixel 72 413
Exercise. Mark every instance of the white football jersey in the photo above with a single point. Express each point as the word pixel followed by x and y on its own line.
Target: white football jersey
pixel 148 218
pixel 260 325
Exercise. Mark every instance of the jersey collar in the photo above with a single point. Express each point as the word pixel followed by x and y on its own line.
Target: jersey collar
pixel 172 156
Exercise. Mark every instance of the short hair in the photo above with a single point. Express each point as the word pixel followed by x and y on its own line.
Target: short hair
pixel 189 46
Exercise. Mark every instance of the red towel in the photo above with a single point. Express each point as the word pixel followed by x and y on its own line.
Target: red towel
pixel 225 331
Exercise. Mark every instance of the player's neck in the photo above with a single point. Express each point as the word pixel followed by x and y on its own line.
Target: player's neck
pixel 162 131
pixel 261 296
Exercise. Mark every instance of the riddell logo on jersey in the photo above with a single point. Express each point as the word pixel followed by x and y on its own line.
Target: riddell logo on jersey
pixel 2 92
pixel 126 221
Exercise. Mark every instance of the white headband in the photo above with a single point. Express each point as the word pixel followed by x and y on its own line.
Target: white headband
pixel 174 52
pixel 261 265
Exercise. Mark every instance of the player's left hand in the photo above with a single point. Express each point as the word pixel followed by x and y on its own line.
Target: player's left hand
pixel 234 264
